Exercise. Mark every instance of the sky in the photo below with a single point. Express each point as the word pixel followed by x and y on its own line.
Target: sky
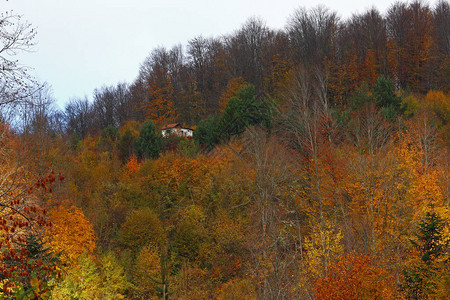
pixel 85 44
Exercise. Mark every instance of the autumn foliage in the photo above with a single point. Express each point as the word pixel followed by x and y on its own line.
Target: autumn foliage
pixel 27 265
pixel 319 169
pixel 356 277
pixel 71 233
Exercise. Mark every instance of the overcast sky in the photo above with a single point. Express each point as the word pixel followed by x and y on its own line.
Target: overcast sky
pixel 84 44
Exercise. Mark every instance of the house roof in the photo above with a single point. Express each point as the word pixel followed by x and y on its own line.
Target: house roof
pixel 175 125
pixel 170 126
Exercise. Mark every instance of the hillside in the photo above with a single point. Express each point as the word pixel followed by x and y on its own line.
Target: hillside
pixel 318 169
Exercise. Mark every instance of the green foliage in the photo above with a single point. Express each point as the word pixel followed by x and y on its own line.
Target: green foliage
pixel 162 291
pixel 385 97
pixel 126 145
pixel 241 111
pixel 419 277
pixel 361 96
pixel 207 132
pixel 126 259
pixel 429 236
pixel 74 141
pixel 414 285
pixel 149 143
pixel 188 148
pixel 109 140
pixel 109 136
pixel 41 275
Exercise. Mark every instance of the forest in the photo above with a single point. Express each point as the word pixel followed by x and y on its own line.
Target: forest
pixel 318 168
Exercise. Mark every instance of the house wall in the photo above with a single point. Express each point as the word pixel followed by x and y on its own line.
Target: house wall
pixel 187 132
pixel 177 131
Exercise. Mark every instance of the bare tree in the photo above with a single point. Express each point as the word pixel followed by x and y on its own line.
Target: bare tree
pixel 111 106
pixel 441 22
pixel 16 36
pixel 306 122
pixel 205 60
pixel 311 34
pixel 245 50
pixel 275 244
pixel 32 116
pixel 367 32
pixel 78 114
pixel 441 44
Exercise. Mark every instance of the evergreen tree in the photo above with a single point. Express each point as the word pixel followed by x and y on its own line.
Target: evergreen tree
pixel 126 145
pixel 385 97
pixel 241 111
pixel 149 143
pixel 207 132
pixel 419 276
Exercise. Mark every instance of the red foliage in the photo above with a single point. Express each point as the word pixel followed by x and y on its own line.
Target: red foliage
pixel 21 219
pixel 355 277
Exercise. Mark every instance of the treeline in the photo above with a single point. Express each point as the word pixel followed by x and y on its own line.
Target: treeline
pixel 409 43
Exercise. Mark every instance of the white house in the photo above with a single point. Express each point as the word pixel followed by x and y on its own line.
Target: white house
pixel 176 129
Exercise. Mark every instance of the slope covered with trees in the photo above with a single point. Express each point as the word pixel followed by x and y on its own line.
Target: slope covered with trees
pixel 319 169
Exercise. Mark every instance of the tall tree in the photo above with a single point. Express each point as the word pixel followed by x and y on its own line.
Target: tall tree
pixel 207 63
pixel 161 74
pixel 78 115
pixel 441 45
pixel 111 106
pixel 409 28
pixel 274 241
pixel 311 35
pixel 246 51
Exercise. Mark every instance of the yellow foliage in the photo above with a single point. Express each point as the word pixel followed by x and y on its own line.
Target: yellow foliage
pixel 377 186
pixel 192 283
pixel 412 105
pixel 438 101
pixel 322 247
pixel 160 106
pixel 425 191
pixel 228 232
pixel 71 233
pixel 439 104
pixel 279 75
pixel 82 281
pixel 146 271
pixel 173 170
